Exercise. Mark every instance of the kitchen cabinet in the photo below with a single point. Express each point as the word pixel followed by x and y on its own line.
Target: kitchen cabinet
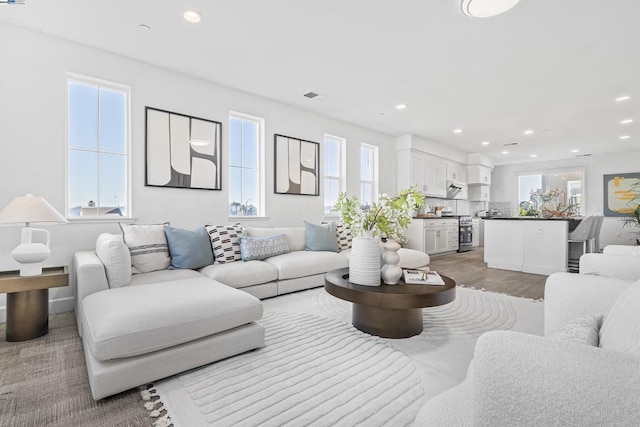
pixel 456 172
pixel 433 236
pixel 479 175
pixel 479 193
pixel 475 242
pixel 428 174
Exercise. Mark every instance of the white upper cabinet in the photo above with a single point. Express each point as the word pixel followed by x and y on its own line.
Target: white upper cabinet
pixel 456 172
pixel 479 175
pixel 428 173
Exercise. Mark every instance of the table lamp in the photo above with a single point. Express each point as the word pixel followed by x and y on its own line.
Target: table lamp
pixel 26 210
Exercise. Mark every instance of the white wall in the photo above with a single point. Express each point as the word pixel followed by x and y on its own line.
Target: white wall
pixel 32 142
pixel 504 187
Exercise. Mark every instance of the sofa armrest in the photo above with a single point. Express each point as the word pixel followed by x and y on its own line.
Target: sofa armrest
pixel 621 250
pixel 618 266
pixel 567 296
pixel 90 278
pixel 522 379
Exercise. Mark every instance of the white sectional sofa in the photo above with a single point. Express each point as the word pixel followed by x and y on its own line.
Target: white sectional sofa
pixel 160 323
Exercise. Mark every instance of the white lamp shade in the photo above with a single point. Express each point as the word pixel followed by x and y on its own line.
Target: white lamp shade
pixel 28 209
pixel 486 8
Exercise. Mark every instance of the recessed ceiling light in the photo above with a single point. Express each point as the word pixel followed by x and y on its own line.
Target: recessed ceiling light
pixel 505 152
pixel 625 137
pixel 626 121
pixel 533 155
pixel 575 150
pixel 457 131
pixel 401 106
pixel 528 132
pixel 623 98
pixel 486 8
pixel 192 16
pixel 485 143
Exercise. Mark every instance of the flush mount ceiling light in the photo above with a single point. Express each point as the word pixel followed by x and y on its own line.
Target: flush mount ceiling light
pixel 486 8
pixel 192 16
pixel 401 106
pixel 623 98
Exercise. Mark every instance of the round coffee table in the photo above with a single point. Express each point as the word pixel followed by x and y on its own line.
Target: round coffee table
pixel 388 311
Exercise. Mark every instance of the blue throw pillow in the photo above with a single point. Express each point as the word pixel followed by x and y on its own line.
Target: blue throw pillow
pixel 189 249
pixel 263 247
pixel 321 237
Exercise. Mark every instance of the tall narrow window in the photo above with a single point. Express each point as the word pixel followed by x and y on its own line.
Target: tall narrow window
pixel 97 148
pixel 368 174
pixel 334 170
pixel 246 153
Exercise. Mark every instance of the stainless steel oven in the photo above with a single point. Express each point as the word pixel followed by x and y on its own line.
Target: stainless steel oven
pixel 466 233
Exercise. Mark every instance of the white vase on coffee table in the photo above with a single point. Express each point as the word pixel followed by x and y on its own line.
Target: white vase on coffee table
pixel 390 271
pixel 364 263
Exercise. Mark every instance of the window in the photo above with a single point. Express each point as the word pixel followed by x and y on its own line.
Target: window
pixel 368 174
pixel 334 170
pixel 97 148
pixel 569 182
pixel 246 154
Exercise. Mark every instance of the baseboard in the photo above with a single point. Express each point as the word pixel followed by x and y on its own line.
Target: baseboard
pixel 56 306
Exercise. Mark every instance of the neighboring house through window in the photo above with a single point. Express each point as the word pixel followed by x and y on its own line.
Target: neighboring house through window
pixel 334 170
pixel 97 148
pixel 368 174
pixel 246 157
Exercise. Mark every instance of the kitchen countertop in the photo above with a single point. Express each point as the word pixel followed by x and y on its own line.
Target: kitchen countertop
pixel 530 218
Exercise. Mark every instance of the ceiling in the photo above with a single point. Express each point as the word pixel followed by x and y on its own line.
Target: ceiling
pixel 554 67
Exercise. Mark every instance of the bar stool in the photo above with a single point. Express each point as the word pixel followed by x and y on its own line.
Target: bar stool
pixel 581 234
pixel 594 238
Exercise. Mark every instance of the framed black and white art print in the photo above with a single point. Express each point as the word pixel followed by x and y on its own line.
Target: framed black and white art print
pixel 182 151
pixel 297 166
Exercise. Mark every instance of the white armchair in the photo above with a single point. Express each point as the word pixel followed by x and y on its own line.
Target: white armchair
pixel 618 261
pixel 521 379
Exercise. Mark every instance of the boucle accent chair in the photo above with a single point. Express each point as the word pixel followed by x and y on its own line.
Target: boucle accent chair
pixel 519 379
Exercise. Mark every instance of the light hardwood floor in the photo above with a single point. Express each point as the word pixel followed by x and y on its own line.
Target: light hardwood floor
pixel 469 268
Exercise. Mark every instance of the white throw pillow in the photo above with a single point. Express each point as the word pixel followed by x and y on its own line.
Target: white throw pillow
pixel 116 258
pixel 621 327
pixel 583 330
pixel 148 247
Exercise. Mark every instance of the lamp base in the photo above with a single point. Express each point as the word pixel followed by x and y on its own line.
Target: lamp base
pixel 33 269
pixel 30 256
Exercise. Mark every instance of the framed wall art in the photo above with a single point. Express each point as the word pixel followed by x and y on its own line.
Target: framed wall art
pixel 297 166
pixel 620 190
pixel 182 151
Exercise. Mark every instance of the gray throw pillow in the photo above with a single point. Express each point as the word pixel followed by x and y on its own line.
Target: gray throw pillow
pixel 320 237
pixel 189 249
pixel 256 248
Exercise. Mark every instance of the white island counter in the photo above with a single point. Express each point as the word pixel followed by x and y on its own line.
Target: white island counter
pixel 531 245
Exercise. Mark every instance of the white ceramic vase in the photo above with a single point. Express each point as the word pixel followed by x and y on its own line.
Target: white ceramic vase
pixel 364 263
pixel 390 271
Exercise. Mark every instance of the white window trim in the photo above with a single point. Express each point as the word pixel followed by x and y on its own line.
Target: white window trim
pixel 342 167
pixel 581 169
pixel 261 161
pixel 376 178
pixel 79 78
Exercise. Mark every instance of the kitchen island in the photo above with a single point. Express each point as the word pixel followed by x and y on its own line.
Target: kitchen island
pixel 530 245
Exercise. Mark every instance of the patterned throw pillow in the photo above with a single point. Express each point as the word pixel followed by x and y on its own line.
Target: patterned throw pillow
pixel 344 237
pixel 224 242
pixel 263 247
pixel 148 247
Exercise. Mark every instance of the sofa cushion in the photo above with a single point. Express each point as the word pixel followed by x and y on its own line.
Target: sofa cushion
pixel 583 330
pixel 224 241
pixel 295 235
pixel 116 258
pixel 163 276
pixel 306 263
pixel 189 249
pixel 241 274
pixel 320 237
pixel 136 320
pixel 148 247
pixel 621 326
pixel 256 248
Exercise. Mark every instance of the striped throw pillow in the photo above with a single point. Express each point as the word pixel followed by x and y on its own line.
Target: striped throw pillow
pixel 224 242
pixel 148 247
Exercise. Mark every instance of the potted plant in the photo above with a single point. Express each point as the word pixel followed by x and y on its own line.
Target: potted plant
pixel 389 217
pixel 633 220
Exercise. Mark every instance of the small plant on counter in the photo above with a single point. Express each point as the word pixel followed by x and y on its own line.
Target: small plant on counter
pixel 389 215
pixel 552 203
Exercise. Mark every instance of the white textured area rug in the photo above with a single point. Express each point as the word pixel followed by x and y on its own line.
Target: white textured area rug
pixel 317 369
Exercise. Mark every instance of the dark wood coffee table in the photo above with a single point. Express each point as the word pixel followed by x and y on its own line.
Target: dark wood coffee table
pixel 388 311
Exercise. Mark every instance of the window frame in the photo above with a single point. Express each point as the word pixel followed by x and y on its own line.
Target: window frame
pixel 374 172
pixel 118 87
pixel 261 165
pixel 545 173
pixel 342 170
